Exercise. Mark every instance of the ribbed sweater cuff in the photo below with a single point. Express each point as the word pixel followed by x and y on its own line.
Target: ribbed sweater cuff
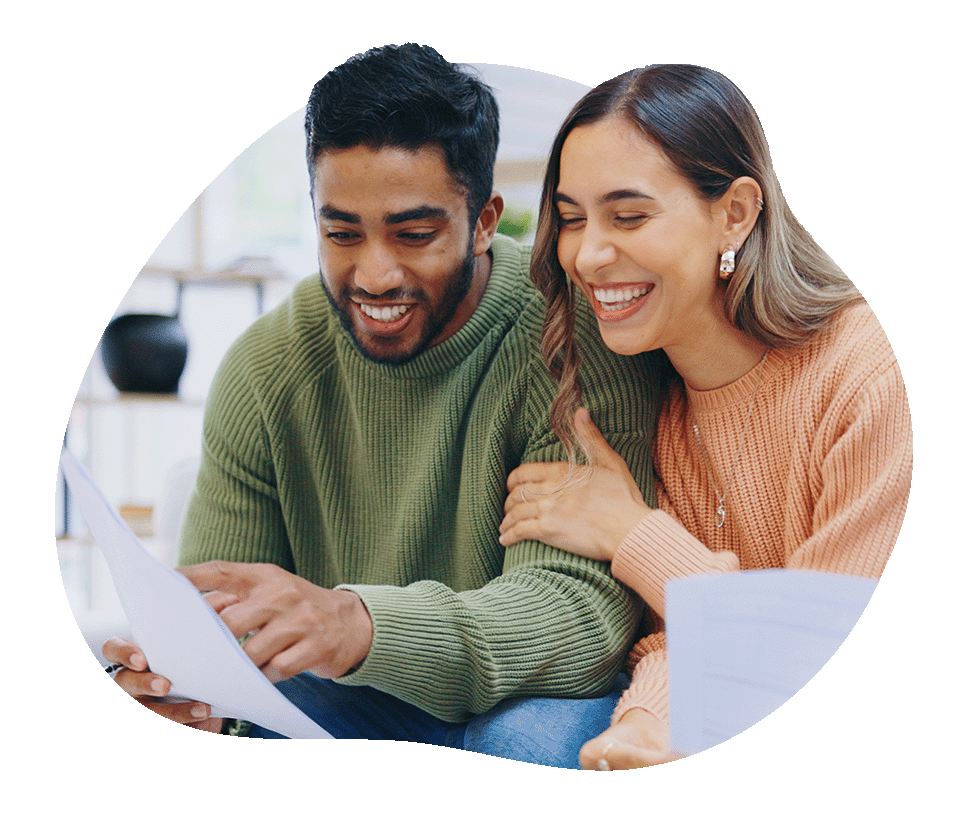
pixel 396 622
pixel 648 690
pixel 658 550
pixel 411 657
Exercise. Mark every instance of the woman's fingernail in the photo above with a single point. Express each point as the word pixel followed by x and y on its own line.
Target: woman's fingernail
pixel 137 660
pixel 199 712
pixel 158 685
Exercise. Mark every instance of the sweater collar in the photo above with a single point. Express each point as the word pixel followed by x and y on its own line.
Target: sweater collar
pixel 740 390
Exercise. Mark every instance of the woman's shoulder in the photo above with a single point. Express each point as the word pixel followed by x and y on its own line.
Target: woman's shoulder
pixel 846 361
pixel 852 341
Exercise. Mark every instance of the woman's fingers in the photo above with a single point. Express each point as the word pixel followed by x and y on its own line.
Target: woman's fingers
pixel 600 453
pixel 629 757
pixel 541 473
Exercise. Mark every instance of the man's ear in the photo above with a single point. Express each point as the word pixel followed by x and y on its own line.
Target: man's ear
pixel 741 205
pixel 487 222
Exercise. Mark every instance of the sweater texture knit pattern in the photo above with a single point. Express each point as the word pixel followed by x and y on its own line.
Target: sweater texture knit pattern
pixel 822 482
pixel 389 480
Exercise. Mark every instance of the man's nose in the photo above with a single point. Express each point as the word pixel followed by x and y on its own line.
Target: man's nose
pixel 377 271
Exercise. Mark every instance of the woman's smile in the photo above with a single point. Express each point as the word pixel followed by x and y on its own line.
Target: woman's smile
pixel 615 302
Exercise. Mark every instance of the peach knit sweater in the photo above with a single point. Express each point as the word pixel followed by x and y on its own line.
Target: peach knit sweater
pixel 822 479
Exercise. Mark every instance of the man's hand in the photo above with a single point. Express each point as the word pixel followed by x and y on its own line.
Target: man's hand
pixel 136 679
pixel 295 625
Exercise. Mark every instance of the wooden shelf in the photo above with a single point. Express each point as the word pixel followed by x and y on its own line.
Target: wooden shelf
pixel 252 271
pixel 132 398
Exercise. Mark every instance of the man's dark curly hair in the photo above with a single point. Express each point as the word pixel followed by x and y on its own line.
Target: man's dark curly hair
pixel 409 97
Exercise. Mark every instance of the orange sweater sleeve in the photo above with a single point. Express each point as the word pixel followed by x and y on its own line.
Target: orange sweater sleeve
pixel 864 467
pixel 659 550
pixel 858 477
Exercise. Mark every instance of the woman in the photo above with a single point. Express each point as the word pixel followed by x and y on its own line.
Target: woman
pixel 784 439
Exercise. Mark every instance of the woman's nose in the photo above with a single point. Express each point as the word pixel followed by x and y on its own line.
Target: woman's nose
pixel 595 251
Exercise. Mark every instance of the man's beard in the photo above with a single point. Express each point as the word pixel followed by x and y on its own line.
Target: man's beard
pixel 439 314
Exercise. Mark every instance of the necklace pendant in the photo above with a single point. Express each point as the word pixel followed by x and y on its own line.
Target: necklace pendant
pixel 721 514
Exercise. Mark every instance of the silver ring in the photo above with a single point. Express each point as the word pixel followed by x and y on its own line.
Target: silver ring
pixel 522 494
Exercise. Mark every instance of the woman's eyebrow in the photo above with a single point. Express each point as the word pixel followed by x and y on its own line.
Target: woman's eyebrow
pixel 617 195
pixel 608 198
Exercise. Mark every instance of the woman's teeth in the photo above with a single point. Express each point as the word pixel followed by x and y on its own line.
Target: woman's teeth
pixel 383 313
pixel 613 299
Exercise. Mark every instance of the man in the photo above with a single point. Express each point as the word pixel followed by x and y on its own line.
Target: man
pixel 358 439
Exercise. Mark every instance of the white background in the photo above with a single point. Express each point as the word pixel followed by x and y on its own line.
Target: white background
pixel 117 116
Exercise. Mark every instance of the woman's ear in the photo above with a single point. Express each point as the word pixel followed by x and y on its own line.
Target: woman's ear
pixel 741 205
pixel 487 223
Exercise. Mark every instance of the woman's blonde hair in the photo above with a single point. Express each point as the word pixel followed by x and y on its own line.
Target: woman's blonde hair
pixel 785 288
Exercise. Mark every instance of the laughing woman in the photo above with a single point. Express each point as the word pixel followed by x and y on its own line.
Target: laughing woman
pixel 785 437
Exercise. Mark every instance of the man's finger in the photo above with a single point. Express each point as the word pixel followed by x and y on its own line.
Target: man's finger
pixel 123 652
pixel 144 684
pixel 220 575
pixel 218 601
pixel 187 712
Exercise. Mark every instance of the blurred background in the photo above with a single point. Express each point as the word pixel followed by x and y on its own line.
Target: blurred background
pixel 234 254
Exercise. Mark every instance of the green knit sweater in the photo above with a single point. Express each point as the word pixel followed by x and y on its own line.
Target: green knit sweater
pixel 390 481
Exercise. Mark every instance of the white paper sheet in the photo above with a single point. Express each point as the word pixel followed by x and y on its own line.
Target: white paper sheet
pixel 182 637
pixel 740 645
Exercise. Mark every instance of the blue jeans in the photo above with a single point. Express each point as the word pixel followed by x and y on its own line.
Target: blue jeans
pixel 547 731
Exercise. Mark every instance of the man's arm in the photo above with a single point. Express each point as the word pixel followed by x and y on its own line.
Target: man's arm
pixel 553 623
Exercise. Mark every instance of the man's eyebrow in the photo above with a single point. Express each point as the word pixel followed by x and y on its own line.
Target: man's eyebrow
pixel 332 213
pixel 608 198
pixel 424 211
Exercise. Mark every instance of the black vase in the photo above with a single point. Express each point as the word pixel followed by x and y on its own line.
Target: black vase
pixel 144 353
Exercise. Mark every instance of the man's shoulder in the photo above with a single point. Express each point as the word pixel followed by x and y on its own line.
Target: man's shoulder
pixel 292 338
pixel 511 269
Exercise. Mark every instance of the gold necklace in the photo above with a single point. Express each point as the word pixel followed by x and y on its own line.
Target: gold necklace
pixel 720 510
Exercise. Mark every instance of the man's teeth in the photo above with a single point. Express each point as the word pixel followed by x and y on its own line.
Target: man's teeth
pixel 618 298
pixel 383 313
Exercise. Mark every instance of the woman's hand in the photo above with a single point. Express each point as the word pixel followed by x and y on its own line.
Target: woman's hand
pixel 639 739
pixel 590 516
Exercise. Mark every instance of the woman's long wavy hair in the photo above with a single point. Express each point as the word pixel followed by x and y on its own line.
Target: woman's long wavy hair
pixel 784 289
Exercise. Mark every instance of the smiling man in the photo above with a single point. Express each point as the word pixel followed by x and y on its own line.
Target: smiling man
pixel 402 268
pixel 358 439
